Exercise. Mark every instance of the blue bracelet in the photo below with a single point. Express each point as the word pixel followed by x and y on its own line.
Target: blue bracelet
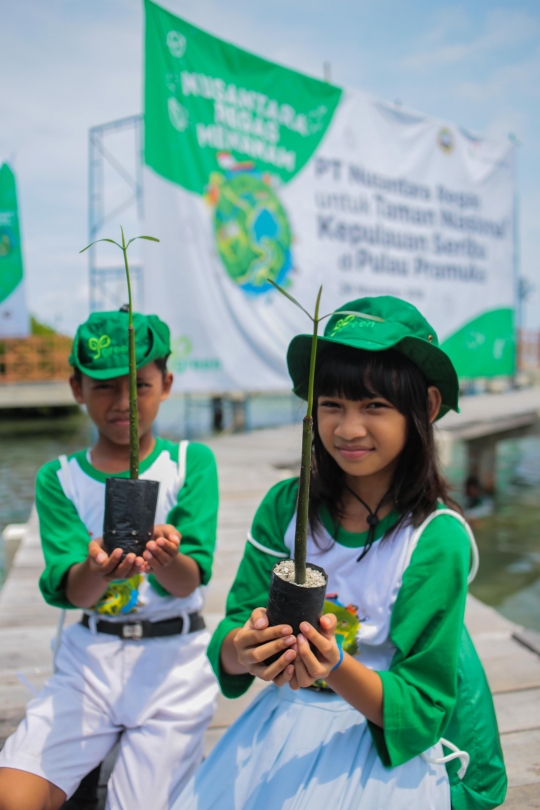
pixel 340 659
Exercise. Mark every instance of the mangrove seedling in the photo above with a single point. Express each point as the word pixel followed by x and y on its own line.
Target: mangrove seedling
pixel 133 415
pixel 301 533
pixel 130 503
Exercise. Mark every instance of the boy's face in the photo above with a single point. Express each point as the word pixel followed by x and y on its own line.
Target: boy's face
pixel 107 401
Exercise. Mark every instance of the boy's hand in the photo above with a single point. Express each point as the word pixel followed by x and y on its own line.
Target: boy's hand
pixel 162 549
pixel 255 642
pixel 308 666
pixel 111 567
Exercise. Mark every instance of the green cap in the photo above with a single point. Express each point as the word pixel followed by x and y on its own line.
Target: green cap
pixel 100 345
pixel 394 324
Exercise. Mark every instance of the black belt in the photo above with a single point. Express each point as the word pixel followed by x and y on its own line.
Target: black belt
pixel 137 630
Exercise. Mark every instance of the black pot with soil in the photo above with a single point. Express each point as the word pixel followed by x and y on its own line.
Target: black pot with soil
pixel 130 511
pixel 289 603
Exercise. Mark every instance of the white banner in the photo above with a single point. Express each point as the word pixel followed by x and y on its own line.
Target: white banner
pixel 255 172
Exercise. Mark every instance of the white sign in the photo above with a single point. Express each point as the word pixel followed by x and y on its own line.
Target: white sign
pixel 254 172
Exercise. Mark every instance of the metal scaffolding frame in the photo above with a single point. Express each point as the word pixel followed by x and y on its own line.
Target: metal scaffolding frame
pixel 104 279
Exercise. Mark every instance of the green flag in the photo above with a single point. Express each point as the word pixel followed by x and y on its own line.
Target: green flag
pixel 13 313
pixel 207 98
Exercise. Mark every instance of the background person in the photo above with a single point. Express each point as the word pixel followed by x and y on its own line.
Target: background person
pixel 155 693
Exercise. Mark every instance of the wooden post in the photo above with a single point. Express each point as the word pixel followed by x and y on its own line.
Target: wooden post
pixel 481 462
pixel 217 414
pixel 238 402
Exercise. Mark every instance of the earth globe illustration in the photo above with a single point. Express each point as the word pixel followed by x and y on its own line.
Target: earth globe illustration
pixel 252 233
pixel 6 242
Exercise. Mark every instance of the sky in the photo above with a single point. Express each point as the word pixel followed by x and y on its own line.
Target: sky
pixel 68 65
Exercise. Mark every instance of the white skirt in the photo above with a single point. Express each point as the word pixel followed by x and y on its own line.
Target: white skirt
pixel 309 750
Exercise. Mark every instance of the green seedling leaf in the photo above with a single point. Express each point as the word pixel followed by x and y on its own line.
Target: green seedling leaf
pixel 356 315
pixel 101 240
pixel 151 238
pixel 302 519
pixel 286 294
pixel 134 447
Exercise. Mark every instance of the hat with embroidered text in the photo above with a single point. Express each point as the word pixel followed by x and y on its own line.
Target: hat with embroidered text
pixel 100 345
pixel 374 325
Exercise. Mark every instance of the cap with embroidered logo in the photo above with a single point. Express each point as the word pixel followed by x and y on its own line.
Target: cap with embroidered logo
pixel 100 345
pixel 377 324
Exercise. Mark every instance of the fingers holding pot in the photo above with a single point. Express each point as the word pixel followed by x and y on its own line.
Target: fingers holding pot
pixel 273 671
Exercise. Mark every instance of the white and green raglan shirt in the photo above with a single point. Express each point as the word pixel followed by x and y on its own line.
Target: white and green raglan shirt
pixel 70 500
pixel 400 611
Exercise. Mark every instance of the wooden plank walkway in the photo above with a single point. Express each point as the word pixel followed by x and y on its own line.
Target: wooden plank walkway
pixel 53 394
pixel 492 414
pixel 249 464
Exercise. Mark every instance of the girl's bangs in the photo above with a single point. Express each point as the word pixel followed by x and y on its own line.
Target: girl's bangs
pixel 355 374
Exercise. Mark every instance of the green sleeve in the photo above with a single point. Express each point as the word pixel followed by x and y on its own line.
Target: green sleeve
pixel 420 688
pixel 250 587
pixel 64 537
pixel 195 513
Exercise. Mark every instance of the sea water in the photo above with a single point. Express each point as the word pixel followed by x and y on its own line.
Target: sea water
pixel 508 540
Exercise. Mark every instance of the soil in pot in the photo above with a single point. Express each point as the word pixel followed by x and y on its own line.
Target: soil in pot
pixel 289 603
pixel 130 511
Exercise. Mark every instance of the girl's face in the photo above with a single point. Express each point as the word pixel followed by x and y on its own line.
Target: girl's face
pixel 367 436
pixel 364 437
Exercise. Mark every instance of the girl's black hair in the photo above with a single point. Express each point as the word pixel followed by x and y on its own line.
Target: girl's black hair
pixel 355 374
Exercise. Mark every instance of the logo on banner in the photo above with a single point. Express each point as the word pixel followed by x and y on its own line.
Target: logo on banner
pixel 181 359
pixel 178 115
pixel 445 140
pixel 251 230
pixel 176 43
pixel 7 242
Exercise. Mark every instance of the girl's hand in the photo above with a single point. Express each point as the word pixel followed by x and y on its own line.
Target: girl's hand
pixel 309 667
pixel 255 642
pixel 162 549
pixel 109 567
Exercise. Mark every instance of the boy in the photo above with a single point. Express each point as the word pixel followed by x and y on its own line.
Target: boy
pixel 136 664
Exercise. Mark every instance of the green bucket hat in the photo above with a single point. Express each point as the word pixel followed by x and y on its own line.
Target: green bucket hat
pixel 100 345
pixel 394 324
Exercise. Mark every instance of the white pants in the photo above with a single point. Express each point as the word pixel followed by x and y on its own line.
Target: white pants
pixel 159 694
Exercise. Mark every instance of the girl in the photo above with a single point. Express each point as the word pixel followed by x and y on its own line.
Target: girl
pixel 358 723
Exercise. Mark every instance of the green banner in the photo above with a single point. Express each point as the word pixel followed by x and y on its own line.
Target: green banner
pixel 196 106
pixel 11 265
pixel 484 347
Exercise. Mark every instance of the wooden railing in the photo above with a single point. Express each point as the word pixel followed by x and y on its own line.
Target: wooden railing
pixel 529 349
pixel 38 358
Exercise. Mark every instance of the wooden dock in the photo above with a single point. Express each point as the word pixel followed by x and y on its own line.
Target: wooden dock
pixel 486 420
pixel 494 414
pixel 54 394
pixel 249 464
